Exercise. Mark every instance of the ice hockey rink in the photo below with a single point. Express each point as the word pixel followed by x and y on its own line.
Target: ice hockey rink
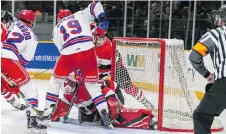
pixel 14 121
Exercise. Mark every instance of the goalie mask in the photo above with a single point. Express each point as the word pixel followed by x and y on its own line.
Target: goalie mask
pixel 99 30
pixel 98 39
pixel 220 18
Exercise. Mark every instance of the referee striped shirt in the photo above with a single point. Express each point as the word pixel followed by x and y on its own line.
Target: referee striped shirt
pixel 213 42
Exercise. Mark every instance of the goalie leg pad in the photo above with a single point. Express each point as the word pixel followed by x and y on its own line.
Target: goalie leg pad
pixel 134 118
pixel 113 103
pixel 114 107
pixel 114 87
pixel 61 110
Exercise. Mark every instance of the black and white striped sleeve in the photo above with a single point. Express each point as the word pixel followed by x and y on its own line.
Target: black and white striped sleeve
pixel 210 40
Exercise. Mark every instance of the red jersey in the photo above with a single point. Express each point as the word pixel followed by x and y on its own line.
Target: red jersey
pixel 104 54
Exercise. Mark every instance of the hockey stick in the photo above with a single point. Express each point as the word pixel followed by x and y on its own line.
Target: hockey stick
pixel 13 84
pixel 66 119
pixel 109 36
pixel 77 122
pixel 40 73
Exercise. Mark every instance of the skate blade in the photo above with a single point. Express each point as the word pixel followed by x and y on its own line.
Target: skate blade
pixel 37 131
pixel 153 125
pixel 72 121
pixel 46 123
pixel 111 126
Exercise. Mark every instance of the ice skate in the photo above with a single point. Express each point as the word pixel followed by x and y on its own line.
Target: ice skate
pixel 153 124
pixel 45 118
pixel 89 118
pixel 34 124
pixel 106 121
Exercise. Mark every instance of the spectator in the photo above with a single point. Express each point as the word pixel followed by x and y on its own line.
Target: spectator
pixel 66 4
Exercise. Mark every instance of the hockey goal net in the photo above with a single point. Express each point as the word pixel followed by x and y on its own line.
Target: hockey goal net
pixel 158 68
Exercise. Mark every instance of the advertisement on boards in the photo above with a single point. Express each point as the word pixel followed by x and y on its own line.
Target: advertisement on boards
pixel 45 56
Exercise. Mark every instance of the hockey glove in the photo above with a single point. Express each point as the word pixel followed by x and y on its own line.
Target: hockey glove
pixel 102 28
pixel 72 82
pixel 14 89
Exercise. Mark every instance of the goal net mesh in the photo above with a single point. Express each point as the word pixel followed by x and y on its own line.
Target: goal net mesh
pixel 158 68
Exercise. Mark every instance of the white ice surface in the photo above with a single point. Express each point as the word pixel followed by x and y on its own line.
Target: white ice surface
pixel 14 122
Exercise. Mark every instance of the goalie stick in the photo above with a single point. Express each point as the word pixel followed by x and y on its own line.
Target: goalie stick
pixel 78 122
pixel 13 84
pixel 66 119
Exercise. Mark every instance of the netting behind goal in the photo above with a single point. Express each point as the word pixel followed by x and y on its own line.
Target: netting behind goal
pixel 158 68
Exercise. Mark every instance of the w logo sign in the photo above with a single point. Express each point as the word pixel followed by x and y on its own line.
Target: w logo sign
pixel 136 61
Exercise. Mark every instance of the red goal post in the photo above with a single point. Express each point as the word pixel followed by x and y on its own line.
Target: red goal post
pixel 158 68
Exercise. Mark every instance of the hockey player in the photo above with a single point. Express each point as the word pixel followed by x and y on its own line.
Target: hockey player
pixel 62 14
pixel 6 23
pixel 120 116
pixel 17 51
pixel 104 53
pixel 73 37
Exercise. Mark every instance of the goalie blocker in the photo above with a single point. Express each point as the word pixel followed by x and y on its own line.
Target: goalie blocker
pixel 119 115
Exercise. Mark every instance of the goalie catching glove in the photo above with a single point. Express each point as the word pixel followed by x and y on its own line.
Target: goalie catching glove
pixel 72 82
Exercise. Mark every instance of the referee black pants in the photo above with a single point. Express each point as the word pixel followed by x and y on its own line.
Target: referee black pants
pixel 212 104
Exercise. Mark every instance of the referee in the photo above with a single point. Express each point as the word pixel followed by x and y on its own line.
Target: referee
pixel 214 100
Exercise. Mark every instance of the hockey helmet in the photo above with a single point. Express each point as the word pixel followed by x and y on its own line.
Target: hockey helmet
pixel 6 19
pixel 220 18
pixel 63 13
pixel 6 16
pixel 28 17
pixel 99 37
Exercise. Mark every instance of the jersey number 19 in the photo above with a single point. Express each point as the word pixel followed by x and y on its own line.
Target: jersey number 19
pixel 72 24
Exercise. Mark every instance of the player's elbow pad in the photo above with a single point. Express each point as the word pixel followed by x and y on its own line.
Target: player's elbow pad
pixel 104 24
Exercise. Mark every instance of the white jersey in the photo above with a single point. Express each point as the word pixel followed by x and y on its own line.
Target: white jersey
pixel 73 34
pixel 20 43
